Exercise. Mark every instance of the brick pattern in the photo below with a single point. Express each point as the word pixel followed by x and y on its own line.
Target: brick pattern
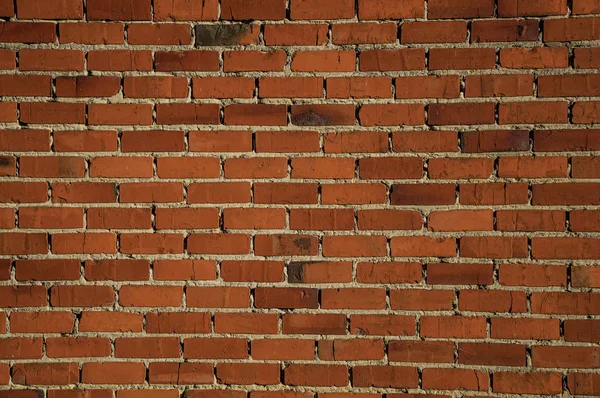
pixel 299 198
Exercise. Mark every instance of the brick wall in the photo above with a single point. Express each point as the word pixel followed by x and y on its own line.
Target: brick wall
pixel 299 198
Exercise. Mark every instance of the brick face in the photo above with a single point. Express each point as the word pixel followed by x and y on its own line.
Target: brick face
pixel 299 198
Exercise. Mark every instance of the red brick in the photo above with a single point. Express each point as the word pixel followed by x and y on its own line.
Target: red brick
pixel 461 113
pixel 319 272
pixel 538 57
pixel 392 60
pixel 364 33
pixel 223 87
pixel 428 87
pixel 391 115
pixel 353 298
pixel 45 373
pixel 581 330
pixel 105 321
pixel 256 168
pixel 117 270
pixel 149 347
pixel 113 373
pixel 219 192
pixel 159 34
pixel 47 270
pixel 345 194
pixel 312 9
pixel 295 34
pixel 462 58
pixel 390 9
pixel 576 303
pixel 316 375
pixel 565 357
pixel 533 275
pixel 359 87
pixel 414 299
pixel 158 192
pixel 52 113
pixel 283 349
pixel 49 60
pixel 155 87
pixel 441 9
pixel 240 10
pixel 8 112
pixel 120 114
pixel 384 376
pixel 382 325
pixel 583 383
pixel 42 322
pixel 151 243
pixel 585 7
pixel 455 379
pixel 248 373
pixel 85 141
pixel 87 86
pixel 433 32
pixel 494 193
pixel 495 141
pixel 290 87
pixel 177 322
pixel 150 296
pixel 324 61
pixel 120 60
pixel 246 323
pixel 215 348
pixel 391 168
pixel 459 274
pixel 23 296
pixel 356 141
pixel 21 348
pixel 523 8
pixel 7 9
pixel 92 33
pixel 252 271
pixel 528 383
pixel 453 327
pixel 586 112
pixel 421 351
pixel 25 85
pixel 585 57
pixel 256 114
pixel 184 270
pixel 285 245
pixel 187 114
pixel 287 141
pixel 185 10
pixel 492 301
pixel 460 168
pixel 69 347
pixel 28 32
pixel 572 29
pixel 152 141
pixel 551 248
pixel 220 141
pixel 245 61
pixel 191 60
pixel 314 324
pixel 525 329
pixel 512 30
pixel 136 10
pixel 54 9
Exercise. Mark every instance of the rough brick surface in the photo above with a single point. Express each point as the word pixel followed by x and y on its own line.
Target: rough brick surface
pixel 299 198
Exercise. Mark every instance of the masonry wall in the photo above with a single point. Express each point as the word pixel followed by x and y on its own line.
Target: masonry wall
pixel 299 198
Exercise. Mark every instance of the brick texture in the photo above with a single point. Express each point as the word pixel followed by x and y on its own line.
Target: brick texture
pixel 299 198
